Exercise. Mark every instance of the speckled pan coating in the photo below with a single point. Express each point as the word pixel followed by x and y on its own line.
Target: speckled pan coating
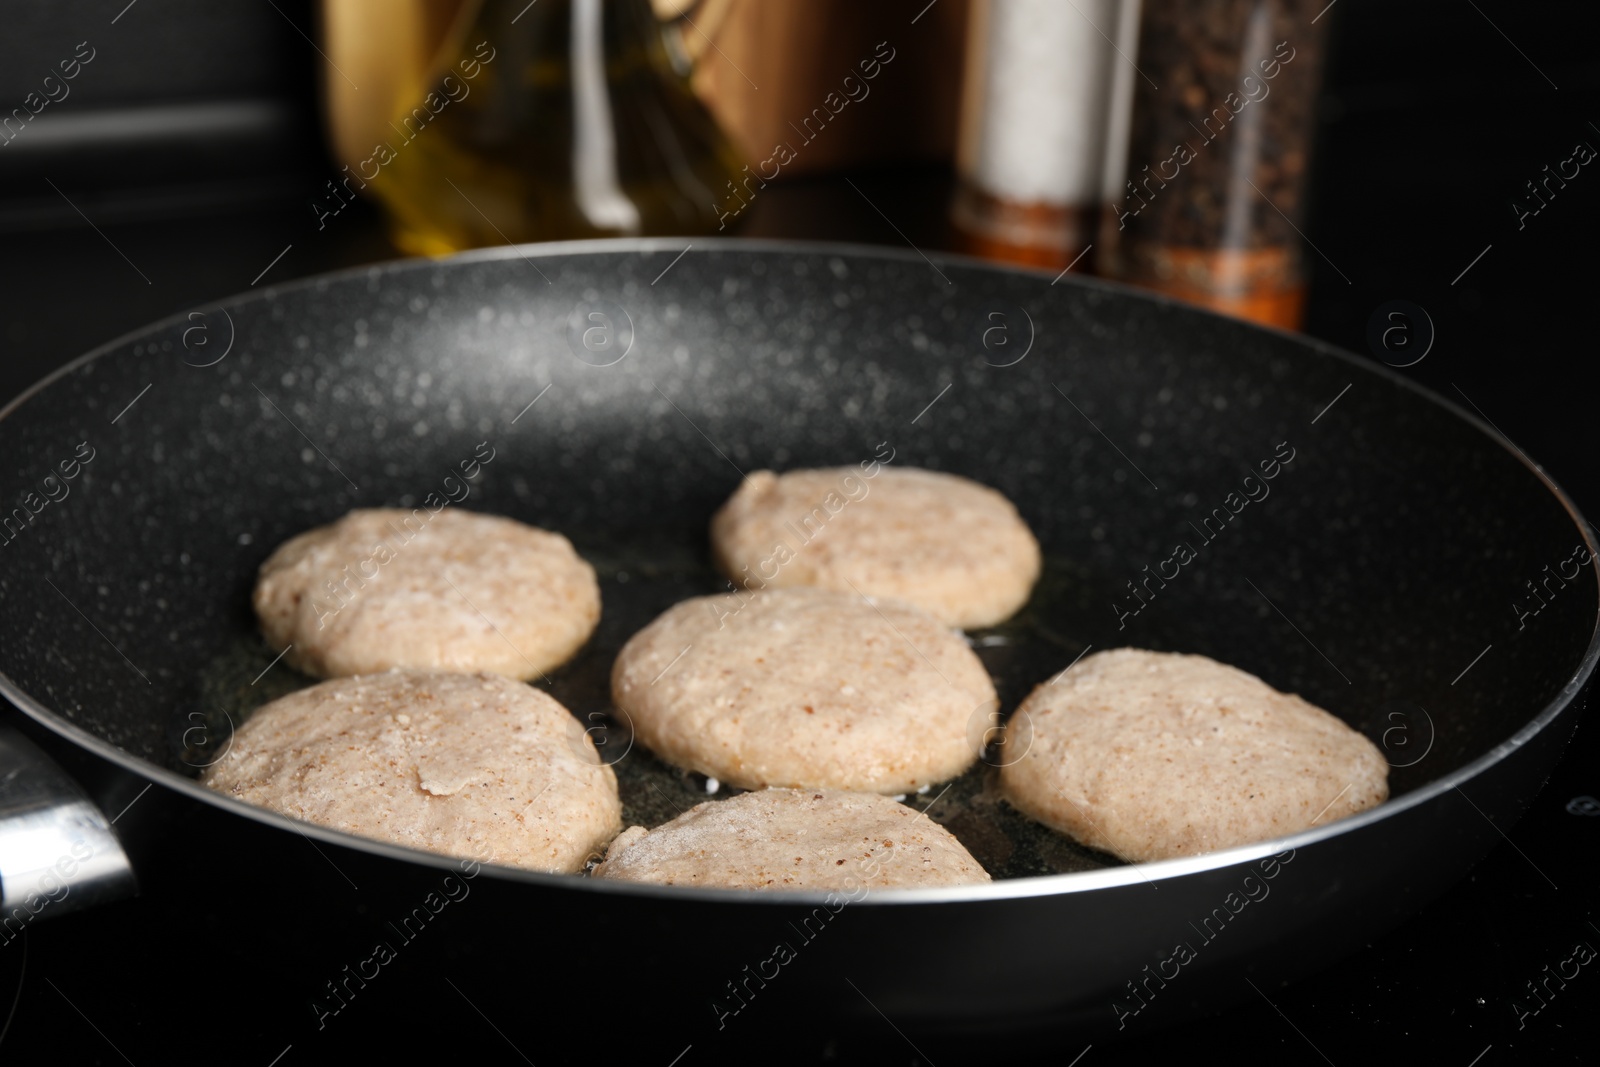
pixel 954 548
pixel 1394 543
pixel 1391 541
pixel 794 839
pixel 470 765
pixel 808 688
pixel 428 589
pixel 1152 755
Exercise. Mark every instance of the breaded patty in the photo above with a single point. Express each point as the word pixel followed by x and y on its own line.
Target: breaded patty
pixel 454 590
pixel 808 688
pixel 794 839
pixel 954 548
pixel 1151 755
pixel 471 765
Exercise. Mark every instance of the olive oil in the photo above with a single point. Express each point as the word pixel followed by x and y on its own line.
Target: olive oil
pixel 554 120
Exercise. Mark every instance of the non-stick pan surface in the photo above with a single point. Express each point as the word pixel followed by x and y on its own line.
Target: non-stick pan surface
pixel 1407 569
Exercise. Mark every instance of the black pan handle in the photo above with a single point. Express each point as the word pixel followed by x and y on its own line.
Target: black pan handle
pixel 58 852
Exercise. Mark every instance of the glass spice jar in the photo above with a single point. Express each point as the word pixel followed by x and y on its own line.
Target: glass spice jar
pixel 1044 110
pixel 1218 156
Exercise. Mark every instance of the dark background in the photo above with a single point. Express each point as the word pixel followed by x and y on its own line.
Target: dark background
pixel 190 145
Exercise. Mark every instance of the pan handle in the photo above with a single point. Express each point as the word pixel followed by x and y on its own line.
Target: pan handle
pixel 57 851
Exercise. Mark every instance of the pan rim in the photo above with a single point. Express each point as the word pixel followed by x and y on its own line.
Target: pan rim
pixel 1006 889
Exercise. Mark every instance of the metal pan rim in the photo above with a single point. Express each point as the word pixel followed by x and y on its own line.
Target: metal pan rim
pixel 1008 889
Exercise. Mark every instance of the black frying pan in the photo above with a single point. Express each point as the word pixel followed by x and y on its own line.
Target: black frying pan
pixel 1384 578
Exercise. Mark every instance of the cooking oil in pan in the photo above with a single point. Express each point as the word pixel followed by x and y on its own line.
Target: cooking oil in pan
pixel 1019 654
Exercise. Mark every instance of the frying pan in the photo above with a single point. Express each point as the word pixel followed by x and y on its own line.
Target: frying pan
pixel 1408 570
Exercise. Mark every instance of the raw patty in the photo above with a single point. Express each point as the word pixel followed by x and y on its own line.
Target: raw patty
pixel 794 839
pixel 1151 755
pixel 470 765
pixel 953 547
pixel 455 591
pixel 806 688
